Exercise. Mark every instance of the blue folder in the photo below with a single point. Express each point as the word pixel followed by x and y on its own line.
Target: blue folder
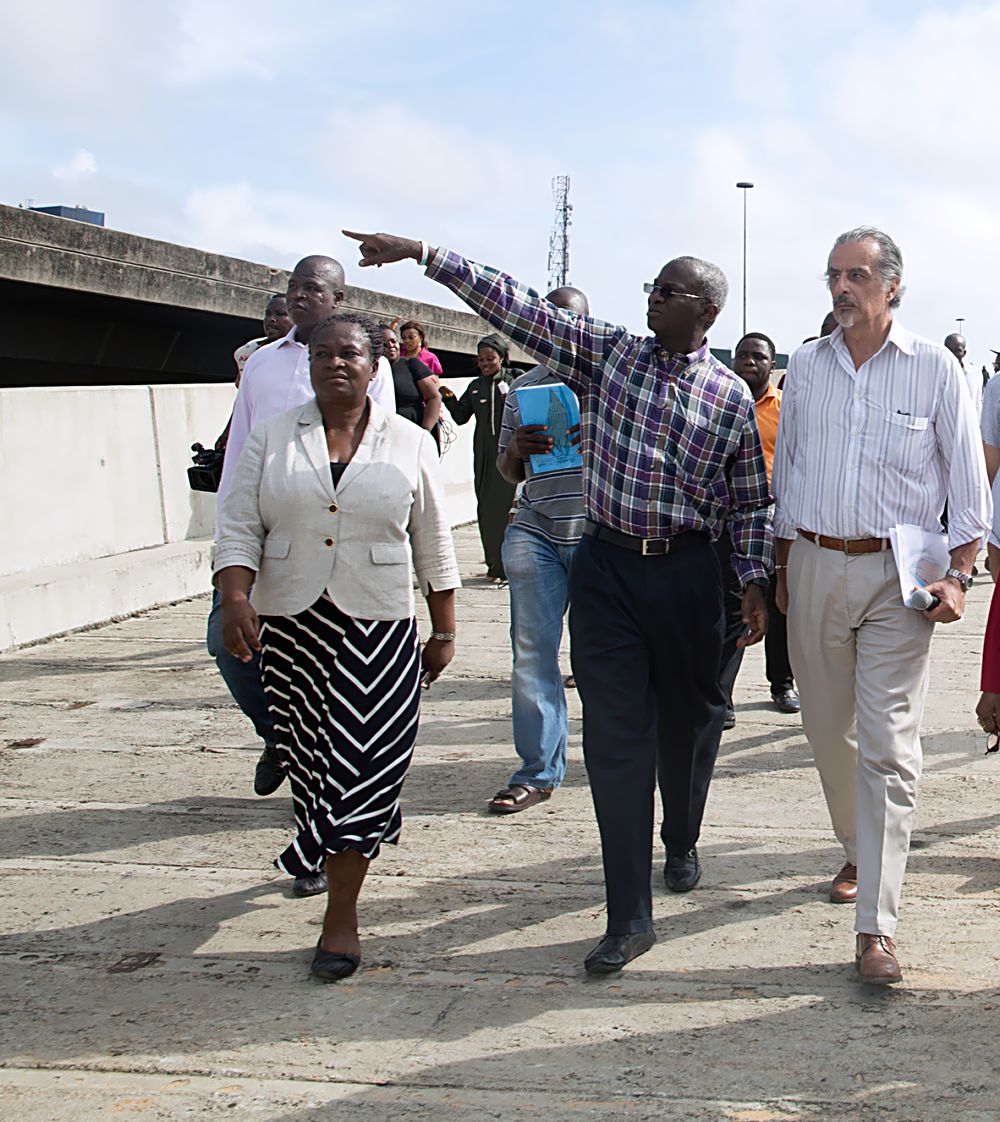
pixel 555 405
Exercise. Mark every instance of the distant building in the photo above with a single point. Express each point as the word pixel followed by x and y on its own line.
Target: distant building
pixel 77 213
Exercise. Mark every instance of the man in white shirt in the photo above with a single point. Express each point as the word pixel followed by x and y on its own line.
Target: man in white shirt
pixel 276 379
pixel 877 428
pixel 973 379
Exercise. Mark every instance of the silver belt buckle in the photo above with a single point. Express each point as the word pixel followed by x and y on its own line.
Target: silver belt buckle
pixel 645 547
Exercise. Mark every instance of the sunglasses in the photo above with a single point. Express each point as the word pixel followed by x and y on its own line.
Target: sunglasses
pixel 668 293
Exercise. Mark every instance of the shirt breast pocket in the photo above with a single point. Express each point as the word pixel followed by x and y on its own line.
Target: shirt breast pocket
pixel 908 441
pixel 702 446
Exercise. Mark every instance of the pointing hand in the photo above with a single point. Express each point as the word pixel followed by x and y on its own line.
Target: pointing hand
pixel 381 249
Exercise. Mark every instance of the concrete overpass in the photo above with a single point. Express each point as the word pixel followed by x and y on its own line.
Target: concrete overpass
pixel 116 354
pixel 86 305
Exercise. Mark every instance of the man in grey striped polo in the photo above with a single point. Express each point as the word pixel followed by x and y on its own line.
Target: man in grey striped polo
pixel 537 550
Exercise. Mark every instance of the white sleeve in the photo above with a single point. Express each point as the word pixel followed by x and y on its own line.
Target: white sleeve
pixel 239 430
pixel 381 388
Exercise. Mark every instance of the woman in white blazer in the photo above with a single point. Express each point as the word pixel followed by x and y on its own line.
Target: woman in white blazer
pixel 332 506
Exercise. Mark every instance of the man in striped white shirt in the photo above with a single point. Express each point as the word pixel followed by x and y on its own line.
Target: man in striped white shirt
pixel 876 429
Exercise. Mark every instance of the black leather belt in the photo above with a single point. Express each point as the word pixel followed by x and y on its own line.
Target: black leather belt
pixel 648 547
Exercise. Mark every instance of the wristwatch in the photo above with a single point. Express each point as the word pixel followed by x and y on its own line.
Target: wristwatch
pixel 963 578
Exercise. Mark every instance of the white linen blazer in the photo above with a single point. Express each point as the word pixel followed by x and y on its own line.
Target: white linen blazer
pixel 283 518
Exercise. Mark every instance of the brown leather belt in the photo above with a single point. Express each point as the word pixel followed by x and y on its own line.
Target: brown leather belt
pixel 848 545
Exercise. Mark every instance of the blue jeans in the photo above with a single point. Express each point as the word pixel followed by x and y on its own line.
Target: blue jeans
pixel 537 571
pixel 242 678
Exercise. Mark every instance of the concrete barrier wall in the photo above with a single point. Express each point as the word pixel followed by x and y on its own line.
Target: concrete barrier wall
pixel 99 518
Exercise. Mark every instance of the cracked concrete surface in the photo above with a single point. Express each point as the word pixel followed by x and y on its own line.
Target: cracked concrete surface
pixel 153 965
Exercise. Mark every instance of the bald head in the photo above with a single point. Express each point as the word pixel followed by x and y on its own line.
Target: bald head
pixel 315 289
pixel 572 299
pixel 318 265
pixel 956 344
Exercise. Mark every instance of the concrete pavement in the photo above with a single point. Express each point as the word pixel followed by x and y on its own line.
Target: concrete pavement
pixel 153 965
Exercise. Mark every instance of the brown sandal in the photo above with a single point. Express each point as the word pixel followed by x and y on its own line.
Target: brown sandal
pixel 518 797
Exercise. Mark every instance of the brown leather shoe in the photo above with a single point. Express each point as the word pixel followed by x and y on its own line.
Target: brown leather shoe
pixel 875 960
pixel 844 889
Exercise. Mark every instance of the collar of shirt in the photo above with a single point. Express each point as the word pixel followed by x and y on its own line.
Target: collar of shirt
pixel 680 364
pixel 291 337
pixel 898 336
pixel 772 393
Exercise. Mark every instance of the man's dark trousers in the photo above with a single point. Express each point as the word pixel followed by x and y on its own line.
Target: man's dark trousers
pixel 776 664
pixel 646 636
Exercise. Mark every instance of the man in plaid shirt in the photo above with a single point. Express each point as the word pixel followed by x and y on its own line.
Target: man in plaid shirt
pixel 670 454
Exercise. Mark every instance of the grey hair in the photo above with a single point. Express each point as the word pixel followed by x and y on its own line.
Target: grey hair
pixel 890 258
pixel 713 286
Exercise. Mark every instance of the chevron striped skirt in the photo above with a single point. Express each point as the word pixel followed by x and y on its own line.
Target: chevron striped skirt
pixel 344 695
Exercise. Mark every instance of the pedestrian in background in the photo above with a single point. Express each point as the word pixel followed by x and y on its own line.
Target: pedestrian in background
pixel 484 399
pixel 538 549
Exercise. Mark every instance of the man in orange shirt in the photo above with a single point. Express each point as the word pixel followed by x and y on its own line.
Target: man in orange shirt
pixel 753 361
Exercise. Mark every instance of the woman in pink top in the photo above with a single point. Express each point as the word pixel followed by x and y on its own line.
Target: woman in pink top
pixel 413 342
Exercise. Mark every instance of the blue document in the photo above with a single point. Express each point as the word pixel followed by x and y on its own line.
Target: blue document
pixel 554 405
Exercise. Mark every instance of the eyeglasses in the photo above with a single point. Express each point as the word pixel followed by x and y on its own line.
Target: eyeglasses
pixel 667 293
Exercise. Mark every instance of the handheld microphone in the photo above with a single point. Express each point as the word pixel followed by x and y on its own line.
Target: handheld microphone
pixel 922 600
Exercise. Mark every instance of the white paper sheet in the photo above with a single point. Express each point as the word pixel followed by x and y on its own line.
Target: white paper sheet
pixel 921 558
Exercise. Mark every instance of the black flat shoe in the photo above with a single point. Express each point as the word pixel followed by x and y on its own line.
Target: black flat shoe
pixel 614 951
pixel 730 720
pixel 786 701
pixel 270 774
pixel 331 966
pixel 682 873
pixel 309 886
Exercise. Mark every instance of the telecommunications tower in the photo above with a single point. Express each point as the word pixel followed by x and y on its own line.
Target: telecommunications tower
pixel 559 241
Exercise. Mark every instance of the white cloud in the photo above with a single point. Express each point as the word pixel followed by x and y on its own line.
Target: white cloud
pixel 80 166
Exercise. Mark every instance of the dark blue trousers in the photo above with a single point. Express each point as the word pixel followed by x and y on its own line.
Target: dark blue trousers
pixel 646 636
pixel 242 678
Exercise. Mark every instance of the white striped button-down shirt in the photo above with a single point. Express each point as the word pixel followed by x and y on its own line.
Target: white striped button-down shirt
pixel 860 451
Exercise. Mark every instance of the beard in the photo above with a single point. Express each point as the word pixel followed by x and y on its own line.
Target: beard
pixel 844 315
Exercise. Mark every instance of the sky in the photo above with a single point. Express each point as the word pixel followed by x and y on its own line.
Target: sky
pixel 259 131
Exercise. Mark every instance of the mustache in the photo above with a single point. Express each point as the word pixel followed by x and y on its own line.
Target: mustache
pixel 844 302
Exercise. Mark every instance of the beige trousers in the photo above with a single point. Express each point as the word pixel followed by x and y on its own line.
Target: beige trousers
pixel 860 660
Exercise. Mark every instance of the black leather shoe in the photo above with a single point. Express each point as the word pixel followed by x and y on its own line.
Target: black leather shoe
pixel 309 886
pixel 270 773
pixel 331 966
pixel 786 701
pixel 614 951
pixel 682 873
pixel 730 721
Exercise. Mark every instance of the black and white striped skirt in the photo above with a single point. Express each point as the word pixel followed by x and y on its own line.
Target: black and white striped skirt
pixel 344 695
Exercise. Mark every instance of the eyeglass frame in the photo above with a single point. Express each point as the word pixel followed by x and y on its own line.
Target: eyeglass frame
pixel 669 293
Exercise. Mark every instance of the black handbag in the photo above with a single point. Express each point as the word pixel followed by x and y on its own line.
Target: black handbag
pixel 206 471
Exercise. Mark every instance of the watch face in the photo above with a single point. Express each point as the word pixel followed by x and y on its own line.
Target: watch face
pixel 963 578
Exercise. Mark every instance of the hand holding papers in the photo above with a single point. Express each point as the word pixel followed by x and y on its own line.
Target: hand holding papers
pixel 921 559
pixel 555 405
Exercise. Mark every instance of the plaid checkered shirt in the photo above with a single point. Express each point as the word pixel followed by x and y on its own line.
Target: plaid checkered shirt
pixel 669 442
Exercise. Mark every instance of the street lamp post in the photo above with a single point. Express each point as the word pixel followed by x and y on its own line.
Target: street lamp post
pixel 960 320
pixel 744 186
